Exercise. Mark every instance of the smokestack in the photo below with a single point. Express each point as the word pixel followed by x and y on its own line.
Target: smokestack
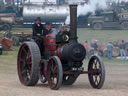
pixel 73 23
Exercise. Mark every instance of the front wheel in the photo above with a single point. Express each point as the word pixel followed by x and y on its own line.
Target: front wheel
pixel 124 25
pixel 6 27
pixel 97 26
pixel 97 72
pixel 54 73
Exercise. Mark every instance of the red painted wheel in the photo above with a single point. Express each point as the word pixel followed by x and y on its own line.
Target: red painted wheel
pixel 97 78
pixel 54 73
pixel 28 63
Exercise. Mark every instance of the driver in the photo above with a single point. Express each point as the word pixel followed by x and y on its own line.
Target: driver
pixel 37 28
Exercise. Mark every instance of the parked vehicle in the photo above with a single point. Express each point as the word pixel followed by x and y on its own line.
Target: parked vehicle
pixel 6 21
pixel 116 17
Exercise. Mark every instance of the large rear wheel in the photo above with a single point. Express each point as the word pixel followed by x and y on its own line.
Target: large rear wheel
pixel 97 75
pixel 54 73
pixel 28 63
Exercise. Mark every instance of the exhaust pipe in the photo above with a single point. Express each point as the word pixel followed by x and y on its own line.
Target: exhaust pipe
pixel 73 23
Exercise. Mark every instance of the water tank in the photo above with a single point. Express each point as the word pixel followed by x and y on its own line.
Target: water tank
pixel 50 13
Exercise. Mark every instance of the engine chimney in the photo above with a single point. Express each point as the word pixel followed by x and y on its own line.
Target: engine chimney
pixel 73 23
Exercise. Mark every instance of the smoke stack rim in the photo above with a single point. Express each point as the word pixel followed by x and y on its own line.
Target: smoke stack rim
pixel 72 2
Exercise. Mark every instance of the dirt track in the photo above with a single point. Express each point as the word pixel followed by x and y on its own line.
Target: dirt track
pixel 116 84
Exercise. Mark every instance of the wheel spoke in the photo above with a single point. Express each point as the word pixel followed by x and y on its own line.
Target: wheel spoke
pixel 52 67
pixel 23 72
pixel 96 81
pixel 29 58
pixel 28 63
pixel 55 69
pixel 95 64
pixel 22 60
pixel 25 51
pixel 26 78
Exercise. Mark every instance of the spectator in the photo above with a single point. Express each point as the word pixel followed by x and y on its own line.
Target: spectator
pixel 110 47
pixel 95 46
pixel 0 49
pixel 86 44
pixel 58 1
pixel 122 50
pixel 86 47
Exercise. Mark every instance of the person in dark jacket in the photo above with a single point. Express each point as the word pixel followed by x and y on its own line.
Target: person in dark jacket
pixel 122 50
pixel 37 28
pixel 95 46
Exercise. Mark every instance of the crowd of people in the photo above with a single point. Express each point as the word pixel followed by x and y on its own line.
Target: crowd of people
pixel 110 47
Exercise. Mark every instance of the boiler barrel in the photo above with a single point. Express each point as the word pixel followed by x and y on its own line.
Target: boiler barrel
pixel 51 13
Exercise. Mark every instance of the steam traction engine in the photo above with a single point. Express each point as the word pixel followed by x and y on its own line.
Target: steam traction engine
pixel 61 62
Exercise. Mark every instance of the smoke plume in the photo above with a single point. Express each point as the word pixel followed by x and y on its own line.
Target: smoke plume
pixel 92 5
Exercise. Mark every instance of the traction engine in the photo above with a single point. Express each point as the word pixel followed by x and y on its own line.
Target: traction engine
pixel 61 62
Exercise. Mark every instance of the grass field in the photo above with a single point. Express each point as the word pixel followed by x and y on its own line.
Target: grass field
pixel 104 36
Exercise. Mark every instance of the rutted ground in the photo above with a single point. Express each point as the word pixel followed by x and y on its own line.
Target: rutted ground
pixel 116 83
